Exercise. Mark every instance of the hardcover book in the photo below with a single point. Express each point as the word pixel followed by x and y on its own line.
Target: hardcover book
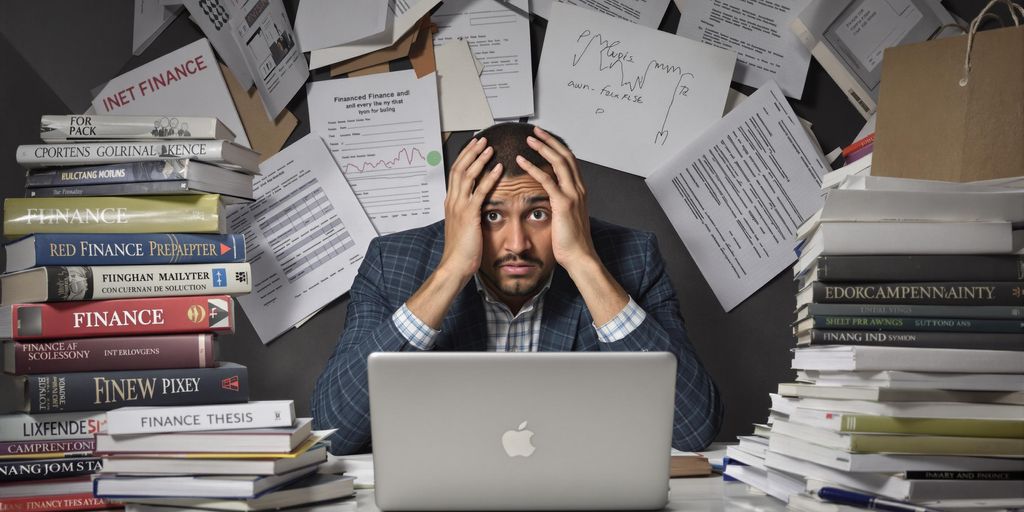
pixel 864 358
pixel 149 420
pixel 250 440
pixel 154 214
pixel 57 502
pixel 229 194
pixel 917 444
pixel 218 152
pixel 56 128
pixel 913 339
pixel 117 317
pixel 203 486
pixel 106 390
pixel 915 310
pixel 15 471
pixel 963 293
pixel 837 421
pixel 51 487
pixel 47 449
pixel 21 427
pixel 67 283
pixel 133 172
pixel 916 267
pixel 179 464
pixel 899 323
pixel 312 489
pixel 116 353
pixel 132 249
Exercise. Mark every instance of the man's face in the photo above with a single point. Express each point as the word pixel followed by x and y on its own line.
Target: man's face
pixel 517 255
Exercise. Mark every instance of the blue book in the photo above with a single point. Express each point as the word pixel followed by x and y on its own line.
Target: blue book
pixel 73 249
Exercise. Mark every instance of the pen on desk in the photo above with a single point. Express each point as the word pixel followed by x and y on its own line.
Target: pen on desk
pixel 857 499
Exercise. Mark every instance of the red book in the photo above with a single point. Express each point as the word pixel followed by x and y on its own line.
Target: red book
pixel 81 501
pixel 118 317
pixel 869 139
pixel 117 353
pixel 46 449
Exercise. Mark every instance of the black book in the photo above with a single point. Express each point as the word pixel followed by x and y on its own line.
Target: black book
pixel 961 340
pixel 912 310
pixel 45 469
pixel 911 268
pixel 960 293
pixel 229 193
pixel 979 476
pixel 106 390
pixel 902 323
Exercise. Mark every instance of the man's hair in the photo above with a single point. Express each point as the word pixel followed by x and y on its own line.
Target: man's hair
pixel 509 140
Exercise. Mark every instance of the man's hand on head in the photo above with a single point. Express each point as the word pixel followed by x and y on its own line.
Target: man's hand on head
pixel 468 187
pixel 570 223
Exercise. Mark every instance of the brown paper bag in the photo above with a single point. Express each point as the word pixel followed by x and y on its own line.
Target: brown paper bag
pixel 931 127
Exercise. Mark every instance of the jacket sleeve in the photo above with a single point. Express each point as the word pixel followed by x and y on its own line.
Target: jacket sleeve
pixel 699 410
pixel 341 398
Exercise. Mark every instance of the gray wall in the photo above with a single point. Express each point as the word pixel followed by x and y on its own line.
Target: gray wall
pixel 75 47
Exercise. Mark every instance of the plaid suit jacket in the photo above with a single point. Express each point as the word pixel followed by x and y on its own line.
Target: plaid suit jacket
pixel 396 266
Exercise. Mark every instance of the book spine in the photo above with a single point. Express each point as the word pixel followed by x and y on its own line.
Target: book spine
pixel 201 213
pixel 17 471
pixel 937 267
pixel 870 139
pixel 49 427
pixel 118 353
pixel 29 448
pixel 33 156
pixel 1007 293
pixel 938 445
pixel 183 419
pixel 158 188
pixel 109 390
pixel 138 249
pixel 118 317
pixel 87 127
pixel 63 502
pixel 130 172
pixel 990 312
pixel 897 323
pixel 867 424
pixel 965 475
pixel 979 341
pixel 136 281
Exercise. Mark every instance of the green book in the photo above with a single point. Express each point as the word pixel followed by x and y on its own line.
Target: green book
pixel 863 423
pixel 202 213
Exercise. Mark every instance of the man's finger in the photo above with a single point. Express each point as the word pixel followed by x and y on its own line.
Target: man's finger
pixel 474 169
pixel 545 179
pixel 566 180
pixel 468 154
pixel 555 144
pixel 486 184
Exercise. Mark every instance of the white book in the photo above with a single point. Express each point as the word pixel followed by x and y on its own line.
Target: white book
pixel 884 463
pixel 50 427
pixel 866 238
pixel 835 179
pixel 53 128
pixel 148 420
pixel 915 380
pixel 251 440
pixel 184 464
pixel 868 182
pixel 72 283
pixel 750 475
pixel 881 394
pixel 917 409
pixel 220 152
pixel 894 485
pixel 920 206
pixel 313 489
pixel 753 460
pixel 863 358
pixel 221 486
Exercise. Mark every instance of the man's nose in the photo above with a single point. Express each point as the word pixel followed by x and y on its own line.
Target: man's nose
pixel 517 240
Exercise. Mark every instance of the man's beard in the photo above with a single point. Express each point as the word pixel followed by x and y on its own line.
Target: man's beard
pixel 517 287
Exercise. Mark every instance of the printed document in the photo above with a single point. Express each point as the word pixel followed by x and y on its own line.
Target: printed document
pixel 265 36
pixel 323 23
pixel 737 194
pixel 758 31
pixel 642 12
pixel 626 96
pixel 305 236
pixel 185 82
pixel 404 14
pixel 385 133
pixel 500 40
pixel 463 102
pixel 214 19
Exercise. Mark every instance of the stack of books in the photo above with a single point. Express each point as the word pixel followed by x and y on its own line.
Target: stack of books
pixel 252 456
pixel 910 351
pixel 112 298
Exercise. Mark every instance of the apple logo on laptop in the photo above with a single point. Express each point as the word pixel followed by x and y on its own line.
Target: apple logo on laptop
pixel 517 442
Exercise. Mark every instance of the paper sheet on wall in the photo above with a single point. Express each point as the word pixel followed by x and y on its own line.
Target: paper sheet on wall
pixel 758 31
pixel 265 36
pixel 500 39
pixel 323 23
pixel 305 237
pixel 738 192
pixel 463 101
pixel 384 131
pixel 625 96
pixel 404 13
pixel 185 82
pixel 214 19
pixel 643 12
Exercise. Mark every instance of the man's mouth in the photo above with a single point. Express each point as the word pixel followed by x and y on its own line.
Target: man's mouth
pixel 517 268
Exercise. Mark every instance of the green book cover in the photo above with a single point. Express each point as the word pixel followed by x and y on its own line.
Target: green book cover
pixel 201 213
pixel 935 445
pixel 860 423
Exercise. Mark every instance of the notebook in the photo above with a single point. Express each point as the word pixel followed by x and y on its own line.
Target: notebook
pixel 523 431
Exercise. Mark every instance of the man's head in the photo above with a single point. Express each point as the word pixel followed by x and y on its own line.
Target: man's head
pixel 515 219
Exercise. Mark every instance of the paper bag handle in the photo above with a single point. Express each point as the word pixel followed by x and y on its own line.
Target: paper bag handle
pixel 1014 9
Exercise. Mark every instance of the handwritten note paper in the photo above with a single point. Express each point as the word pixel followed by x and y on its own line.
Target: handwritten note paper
pixel 737 194
pixel 626 96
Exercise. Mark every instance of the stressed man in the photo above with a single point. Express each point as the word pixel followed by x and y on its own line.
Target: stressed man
pixel 516 266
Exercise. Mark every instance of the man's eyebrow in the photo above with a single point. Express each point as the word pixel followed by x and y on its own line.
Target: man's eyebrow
pixel 538 199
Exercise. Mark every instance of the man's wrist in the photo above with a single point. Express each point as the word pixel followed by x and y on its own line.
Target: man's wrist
pixel 584 267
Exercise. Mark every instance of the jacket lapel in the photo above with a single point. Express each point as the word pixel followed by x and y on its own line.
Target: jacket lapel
pixel 467 321
pixel 561 316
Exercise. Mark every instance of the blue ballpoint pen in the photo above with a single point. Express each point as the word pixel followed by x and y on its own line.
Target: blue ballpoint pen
pixel 845 497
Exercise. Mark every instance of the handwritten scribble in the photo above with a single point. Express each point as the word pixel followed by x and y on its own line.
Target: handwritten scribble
pixel 612 59
pixel 405 156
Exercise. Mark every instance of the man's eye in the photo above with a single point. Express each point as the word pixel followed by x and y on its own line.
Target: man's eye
pixel 539 215
pixel 492 216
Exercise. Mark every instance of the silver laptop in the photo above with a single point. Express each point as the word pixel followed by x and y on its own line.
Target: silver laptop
pixel 524 431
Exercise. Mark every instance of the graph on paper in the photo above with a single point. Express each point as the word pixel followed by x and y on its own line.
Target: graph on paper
pixel 385 135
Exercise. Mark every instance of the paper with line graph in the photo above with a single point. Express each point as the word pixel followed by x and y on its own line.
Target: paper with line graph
pixel 305 236
pixel 384 131
pixel 623 95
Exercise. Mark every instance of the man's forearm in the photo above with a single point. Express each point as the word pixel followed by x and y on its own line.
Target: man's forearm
pixel 433 299
pixel 603 295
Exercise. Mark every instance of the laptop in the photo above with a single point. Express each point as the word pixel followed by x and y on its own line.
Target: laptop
pixel 521 431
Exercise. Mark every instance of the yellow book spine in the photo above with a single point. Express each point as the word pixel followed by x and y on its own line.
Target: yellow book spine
pixel 200 213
